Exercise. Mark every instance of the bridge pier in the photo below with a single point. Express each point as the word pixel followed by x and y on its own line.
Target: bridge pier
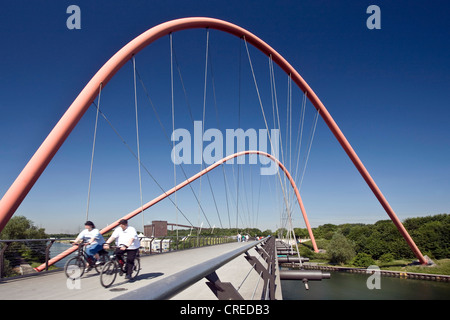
pixel 301 274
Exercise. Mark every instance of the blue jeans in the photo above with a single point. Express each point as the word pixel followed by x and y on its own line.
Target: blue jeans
pixel 92 249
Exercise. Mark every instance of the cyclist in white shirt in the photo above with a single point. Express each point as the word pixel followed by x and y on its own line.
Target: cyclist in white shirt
pixel 93 240
pixel 127 241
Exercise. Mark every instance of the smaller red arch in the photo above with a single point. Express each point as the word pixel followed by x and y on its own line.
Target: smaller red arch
pixel 190 180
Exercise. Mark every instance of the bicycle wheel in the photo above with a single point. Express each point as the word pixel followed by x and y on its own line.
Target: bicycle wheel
pixel 74 268
pixel 108 274
pixel 136 268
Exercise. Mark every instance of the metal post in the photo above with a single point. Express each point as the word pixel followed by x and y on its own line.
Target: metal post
pixel 222 290
pixel 267 274
pixel 161 245
pixel 47 253
pixel 151 241
pixel 2 255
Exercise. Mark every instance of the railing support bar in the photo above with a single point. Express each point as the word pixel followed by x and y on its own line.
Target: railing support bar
pixel 222 290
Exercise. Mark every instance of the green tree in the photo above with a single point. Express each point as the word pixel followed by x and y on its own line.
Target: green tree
pixel 432 236
pixel 340 249
pixel 362 260
pixel 387 257
pixel 19 227
pixel 325 231
pixel 301 233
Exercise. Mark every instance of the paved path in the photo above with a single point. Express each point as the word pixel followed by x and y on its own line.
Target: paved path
pixel 53 285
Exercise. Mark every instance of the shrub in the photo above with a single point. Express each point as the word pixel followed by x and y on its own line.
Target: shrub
pixel 340 249
pixel 387 257
pixel 363 260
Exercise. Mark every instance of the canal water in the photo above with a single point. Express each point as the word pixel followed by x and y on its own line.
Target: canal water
pixel 56 249
pixel 353 286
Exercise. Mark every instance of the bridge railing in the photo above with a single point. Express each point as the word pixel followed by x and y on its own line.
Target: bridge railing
pixel 170 286
pixel 18 257
pixel 151 245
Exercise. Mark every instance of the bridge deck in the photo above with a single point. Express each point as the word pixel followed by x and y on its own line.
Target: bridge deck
pixel 53 285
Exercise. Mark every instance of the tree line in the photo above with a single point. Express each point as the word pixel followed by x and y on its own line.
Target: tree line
pixel 382 240
pixel 350 242
pixel 252 232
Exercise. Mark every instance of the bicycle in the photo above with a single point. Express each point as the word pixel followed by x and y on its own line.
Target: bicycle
pixel 76 266
pixel 115 265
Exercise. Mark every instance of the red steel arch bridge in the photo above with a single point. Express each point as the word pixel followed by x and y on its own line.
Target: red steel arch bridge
pixel 96 86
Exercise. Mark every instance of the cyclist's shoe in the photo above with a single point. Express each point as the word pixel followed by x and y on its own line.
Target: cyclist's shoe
pixel 121 267
pixel 128 277
pixel 89 268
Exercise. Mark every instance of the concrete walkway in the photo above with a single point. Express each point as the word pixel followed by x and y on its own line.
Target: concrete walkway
pixel 55 285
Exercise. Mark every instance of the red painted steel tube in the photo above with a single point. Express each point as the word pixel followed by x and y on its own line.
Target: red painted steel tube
pixel 37 164
pixel 185 183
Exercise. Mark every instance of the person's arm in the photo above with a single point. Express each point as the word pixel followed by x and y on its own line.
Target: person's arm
pixel 110 239
pixel 94 237
pixel 89 241
pixel 130 242
pixel 79 238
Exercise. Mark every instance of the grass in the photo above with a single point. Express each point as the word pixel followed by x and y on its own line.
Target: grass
pixel 37 264
pixel 442 266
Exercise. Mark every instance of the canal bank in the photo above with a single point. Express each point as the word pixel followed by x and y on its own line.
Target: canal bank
pixel 384 273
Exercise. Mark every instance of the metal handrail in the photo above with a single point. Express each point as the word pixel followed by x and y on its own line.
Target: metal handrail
pixel 189 242
pixel 172 285
pixel 6 244
pixel 36 240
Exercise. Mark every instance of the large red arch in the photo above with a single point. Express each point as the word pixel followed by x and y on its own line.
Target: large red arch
pixel 190 180
pixel 37 164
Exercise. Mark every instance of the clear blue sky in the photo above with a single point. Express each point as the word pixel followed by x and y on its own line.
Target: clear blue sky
pixel 387 89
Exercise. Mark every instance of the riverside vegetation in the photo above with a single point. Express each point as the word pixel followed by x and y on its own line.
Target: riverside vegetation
pixel 362 245
pixel 356 245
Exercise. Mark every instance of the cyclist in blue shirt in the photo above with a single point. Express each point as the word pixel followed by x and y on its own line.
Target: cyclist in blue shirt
pixel 93 240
